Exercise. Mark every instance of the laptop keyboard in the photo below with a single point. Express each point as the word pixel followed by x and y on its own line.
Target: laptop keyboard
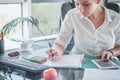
pixel 23 64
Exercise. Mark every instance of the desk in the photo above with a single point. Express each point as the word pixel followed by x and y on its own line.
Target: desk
pixel 39 50
pixel 88 63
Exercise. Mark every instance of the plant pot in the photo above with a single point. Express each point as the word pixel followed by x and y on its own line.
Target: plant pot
pixel 1 46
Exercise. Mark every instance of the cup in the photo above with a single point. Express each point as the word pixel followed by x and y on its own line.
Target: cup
pixel 1 46
pixel 26 45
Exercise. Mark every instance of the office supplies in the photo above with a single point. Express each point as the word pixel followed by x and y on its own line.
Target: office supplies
pixel 13 53
pixel 67 61
pixel 38 59
pixel 98 74
pixel 104 64
pixel 23 64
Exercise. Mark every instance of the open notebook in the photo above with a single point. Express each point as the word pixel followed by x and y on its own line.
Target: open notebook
pixel 67 61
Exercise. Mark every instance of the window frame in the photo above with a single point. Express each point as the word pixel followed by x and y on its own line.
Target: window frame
pixel 11 1
pixel 48 37
pixel 26 11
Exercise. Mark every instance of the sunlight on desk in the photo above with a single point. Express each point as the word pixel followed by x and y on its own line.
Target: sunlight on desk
pixel 10 45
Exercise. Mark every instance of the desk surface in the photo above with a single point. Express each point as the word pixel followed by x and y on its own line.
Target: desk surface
pixel 89 64
pixel 39 50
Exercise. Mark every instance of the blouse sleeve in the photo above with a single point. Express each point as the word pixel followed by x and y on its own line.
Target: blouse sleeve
pixel 66 31
pixel 117 41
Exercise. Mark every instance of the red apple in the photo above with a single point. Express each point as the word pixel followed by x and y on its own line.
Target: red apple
pixel 50 74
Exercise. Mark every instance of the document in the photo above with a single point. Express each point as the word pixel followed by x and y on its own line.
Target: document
pixel 67 61
pixel 98 74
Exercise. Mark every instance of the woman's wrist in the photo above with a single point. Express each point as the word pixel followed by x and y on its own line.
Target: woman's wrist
pixel 58 47
pixel 111 52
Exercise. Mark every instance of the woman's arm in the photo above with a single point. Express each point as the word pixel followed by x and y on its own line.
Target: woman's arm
pixel 116 50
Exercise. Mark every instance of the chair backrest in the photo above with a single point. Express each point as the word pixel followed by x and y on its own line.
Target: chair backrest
pixel 69 5
pixel 64 9
pixel 113 6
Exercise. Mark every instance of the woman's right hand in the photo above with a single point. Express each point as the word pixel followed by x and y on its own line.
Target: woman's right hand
pixel 55 53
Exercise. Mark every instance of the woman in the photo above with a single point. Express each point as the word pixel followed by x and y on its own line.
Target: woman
pixel 95 29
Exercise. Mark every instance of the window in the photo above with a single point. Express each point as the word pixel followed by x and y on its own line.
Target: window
pixel 11 9
pixel 47 12
pixel 9 12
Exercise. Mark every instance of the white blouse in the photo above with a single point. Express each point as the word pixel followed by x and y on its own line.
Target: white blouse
pixel 88 39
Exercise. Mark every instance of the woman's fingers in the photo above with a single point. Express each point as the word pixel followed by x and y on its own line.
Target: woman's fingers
pixel 98 55
pixel 53 55
pixel 105 55
pixel 115 58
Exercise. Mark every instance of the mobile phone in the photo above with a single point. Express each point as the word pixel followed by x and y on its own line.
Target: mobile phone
pixel 105 64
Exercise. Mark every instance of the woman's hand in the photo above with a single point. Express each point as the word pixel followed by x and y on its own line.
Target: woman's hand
pixel 105 55
pixel 55 53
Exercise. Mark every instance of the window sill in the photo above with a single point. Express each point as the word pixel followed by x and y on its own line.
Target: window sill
pixel 43 38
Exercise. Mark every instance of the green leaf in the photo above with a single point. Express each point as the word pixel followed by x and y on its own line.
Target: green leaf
pixel 8 27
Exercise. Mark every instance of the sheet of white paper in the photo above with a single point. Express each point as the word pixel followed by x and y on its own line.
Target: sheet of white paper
pixel 73 61
pixel 97 74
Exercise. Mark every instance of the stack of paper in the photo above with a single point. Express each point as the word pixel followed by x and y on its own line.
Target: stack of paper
pixel 97 74
pixel 67 61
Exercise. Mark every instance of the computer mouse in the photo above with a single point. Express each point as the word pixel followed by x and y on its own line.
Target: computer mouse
pixel 14 53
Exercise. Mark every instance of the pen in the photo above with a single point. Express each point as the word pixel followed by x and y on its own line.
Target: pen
pixel 52 56
pixel 51 49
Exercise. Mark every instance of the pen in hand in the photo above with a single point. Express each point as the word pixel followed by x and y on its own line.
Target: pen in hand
pixel 51 53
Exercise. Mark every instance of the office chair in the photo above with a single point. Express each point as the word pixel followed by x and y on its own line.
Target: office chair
pixel 70 5
pixel 113 6
pixel 65 7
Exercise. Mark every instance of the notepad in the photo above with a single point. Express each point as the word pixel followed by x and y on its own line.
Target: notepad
pixel 37 59
pixel 67 61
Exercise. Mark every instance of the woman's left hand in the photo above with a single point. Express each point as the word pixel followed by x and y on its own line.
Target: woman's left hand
pixel 105 55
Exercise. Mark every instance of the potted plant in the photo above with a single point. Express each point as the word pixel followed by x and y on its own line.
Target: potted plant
pixel 8 27
pixel 12 24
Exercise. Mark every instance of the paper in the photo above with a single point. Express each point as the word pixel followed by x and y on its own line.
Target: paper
pixel 97 74
pixel 70 61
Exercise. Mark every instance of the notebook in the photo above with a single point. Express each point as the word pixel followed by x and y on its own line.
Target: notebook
pixel 38 59
pixel 67 61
